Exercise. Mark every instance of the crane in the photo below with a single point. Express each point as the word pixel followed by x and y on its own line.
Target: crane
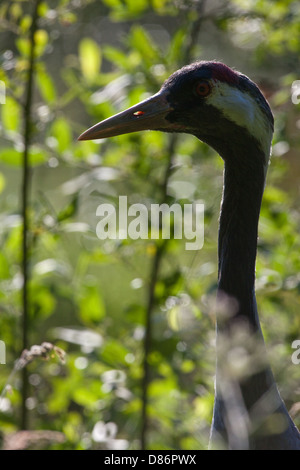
pixel 225 109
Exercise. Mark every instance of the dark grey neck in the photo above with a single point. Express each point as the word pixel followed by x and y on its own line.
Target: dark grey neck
pixel 240 417
pixel 240 209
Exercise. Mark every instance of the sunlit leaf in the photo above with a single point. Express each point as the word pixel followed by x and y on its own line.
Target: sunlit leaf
pixel 136 7
pixel 175 50
pixel 86 397
pixel 16 10
pixel 25 23
pixel 62 132
pixel 2 182
pixel 41 41
pixel 43 9
pixel 23 45
pixel 11 114
pixel 140 40
pixel 46 85
pixel 116 56
pixel 44 301
pixel 36 155
pixel 4 267
pixel 14 157
pixel 114 353
pixel 90 58
pixel 11 156
pixel 68 211
pixel 91 304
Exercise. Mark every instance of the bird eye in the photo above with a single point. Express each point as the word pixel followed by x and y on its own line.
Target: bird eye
pixel 202 88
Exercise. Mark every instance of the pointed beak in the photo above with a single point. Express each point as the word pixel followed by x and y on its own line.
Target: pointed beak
pixel 149 114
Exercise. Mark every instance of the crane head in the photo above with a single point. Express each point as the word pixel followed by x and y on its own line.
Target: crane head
pixel 207 99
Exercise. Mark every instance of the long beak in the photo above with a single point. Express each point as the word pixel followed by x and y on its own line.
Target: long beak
pixel 149 114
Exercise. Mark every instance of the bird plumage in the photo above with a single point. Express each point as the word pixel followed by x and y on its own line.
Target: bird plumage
pixel 225 109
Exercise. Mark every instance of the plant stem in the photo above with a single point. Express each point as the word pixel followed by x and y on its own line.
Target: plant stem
pixel 160 250
pixel 25 204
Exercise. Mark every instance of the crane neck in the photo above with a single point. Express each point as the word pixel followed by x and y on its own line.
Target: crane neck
pixel 246 397
pixel 244 181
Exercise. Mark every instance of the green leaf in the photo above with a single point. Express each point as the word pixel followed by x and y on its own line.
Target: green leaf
pixel 25 23
pixel 11 156
pixel 41 41
pixel 85 397
pixel 23 45
pixel 175 49
pixel 90 58
pixel 125 9
pixel 4 267
pixel 136 7
pixel 11 113
pixel 141 41
pixel 161 6
pixel 36 155
pixel 114 353
pixel 69 211
pixel 43 9
pixel 116 56
pixel 2 182
pixel 62 132
pixel 15 11
pixel 14 157
pixel 91 305
pixel 45 85
pixel 43 301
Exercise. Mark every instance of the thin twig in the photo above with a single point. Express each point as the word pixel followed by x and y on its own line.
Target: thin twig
pixel 160 250
pixel 25 202
pixel 191 41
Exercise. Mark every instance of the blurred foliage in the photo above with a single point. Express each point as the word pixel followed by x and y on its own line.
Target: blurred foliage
pixel 89 297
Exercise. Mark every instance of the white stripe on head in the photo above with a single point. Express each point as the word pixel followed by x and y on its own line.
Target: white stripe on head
pixel 242 108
